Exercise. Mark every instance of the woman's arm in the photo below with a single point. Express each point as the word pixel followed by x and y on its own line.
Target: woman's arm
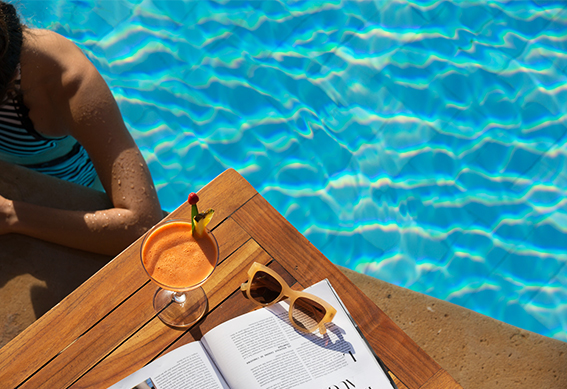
pixel 22 184
pixel 73 99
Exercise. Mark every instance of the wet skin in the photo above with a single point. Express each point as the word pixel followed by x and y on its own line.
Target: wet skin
pixel 67 96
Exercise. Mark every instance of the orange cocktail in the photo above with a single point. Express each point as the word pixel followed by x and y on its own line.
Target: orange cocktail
pixel 179 259
pixel 176 259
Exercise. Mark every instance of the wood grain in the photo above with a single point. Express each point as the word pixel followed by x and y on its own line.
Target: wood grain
pixel 397 381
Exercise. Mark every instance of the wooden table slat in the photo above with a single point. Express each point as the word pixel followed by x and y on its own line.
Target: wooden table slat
pixel 397 381
pixel 132 355
pixel 76 359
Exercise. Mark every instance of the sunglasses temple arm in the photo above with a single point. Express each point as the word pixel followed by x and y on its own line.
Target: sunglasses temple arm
pixel 244 288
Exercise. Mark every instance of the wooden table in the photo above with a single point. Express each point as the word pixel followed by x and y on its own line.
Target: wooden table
pixel 107 328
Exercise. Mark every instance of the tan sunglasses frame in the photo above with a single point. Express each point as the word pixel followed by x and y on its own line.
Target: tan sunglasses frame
pixel 292 295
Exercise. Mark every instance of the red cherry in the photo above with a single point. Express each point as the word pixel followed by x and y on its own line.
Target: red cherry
pixel 193 198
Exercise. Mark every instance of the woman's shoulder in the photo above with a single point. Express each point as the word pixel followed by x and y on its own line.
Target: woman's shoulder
pixel 47 51
pixel 53 70
pixel 43 41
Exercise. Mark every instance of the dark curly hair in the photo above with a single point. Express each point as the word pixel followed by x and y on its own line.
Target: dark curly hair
pixel 11 38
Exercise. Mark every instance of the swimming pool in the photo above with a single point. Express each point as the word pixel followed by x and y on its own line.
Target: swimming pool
pixel 422 143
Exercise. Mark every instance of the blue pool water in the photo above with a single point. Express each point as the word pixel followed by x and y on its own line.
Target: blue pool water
pixel 419 142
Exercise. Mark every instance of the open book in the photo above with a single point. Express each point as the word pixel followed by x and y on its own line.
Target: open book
pixel 261 349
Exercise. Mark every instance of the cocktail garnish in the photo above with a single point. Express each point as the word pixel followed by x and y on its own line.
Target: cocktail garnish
pixel 198 220
pixel 193 199
pixel 201 221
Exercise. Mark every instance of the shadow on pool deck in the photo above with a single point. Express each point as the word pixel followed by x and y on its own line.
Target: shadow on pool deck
pixel 478 351
pixel 35 276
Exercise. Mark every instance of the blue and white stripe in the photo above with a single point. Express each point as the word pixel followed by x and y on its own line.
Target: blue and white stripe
pixel 20 143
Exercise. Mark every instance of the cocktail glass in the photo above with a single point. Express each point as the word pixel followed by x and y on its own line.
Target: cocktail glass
pixel 179 263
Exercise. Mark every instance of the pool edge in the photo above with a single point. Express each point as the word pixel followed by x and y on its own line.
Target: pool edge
pixel 476 350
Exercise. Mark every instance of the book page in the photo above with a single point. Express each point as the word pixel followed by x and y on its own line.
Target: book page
pixel 261 349
pixel 188 366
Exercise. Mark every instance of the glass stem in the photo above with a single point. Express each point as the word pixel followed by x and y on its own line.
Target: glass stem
pixel 179 297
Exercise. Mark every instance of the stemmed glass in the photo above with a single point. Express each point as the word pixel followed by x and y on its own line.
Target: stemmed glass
pixel 179 263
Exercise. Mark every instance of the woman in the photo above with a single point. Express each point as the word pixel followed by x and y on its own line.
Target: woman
pixel 60 118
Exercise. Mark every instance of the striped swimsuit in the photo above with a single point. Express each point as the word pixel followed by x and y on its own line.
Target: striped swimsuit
pixel 21 144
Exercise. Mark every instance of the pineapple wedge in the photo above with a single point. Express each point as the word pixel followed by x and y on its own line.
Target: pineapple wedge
pixel 201 220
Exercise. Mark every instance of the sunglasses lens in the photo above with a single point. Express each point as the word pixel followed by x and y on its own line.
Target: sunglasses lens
pixel 307 314
pixel 264 288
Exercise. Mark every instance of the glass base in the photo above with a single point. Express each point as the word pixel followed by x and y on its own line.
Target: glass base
pixel 180 309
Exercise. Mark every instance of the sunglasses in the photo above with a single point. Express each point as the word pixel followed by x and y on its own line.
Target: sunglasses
pixel 307 312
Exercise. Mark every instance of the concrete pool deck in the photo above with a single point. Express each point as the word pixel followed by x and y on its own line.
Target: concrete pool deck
pixel 478 351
